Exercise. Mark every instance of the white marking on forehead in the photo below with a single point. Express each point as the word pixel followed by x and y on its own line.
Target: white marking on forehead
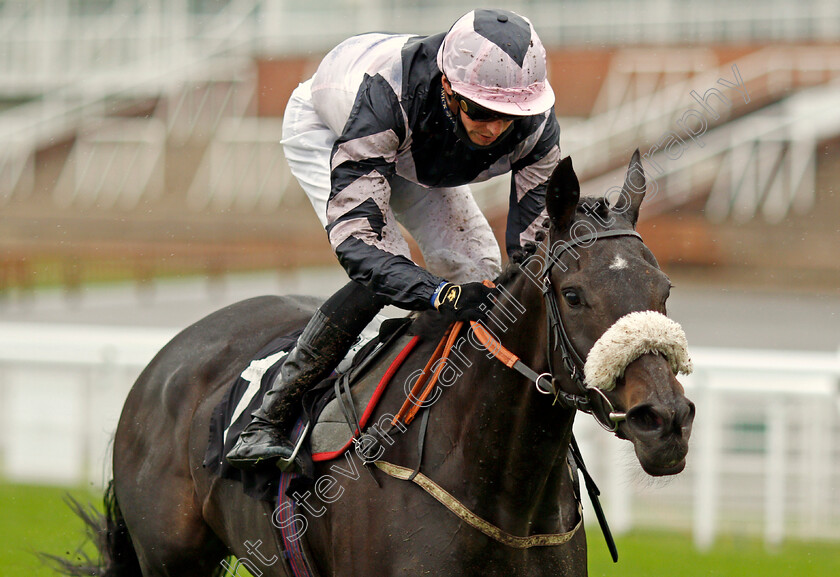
pixel 618 264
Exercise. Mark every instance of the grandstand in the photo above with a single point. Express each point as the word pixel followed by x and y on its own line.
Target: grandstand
pixel 141 137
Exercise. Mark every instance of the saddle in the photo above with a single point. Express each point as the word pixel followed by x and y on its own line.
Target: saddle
pixel 332 412
pixel 341 407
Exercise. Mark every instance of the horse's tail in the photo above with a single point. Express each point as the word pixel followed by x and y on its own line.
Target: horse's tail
pixel 108 531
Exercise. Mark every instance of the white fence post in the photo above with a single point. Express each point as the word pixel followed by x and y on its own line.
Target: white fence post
pixel 816 486
pixel 80 376
pixel 775 474
pixel 708 446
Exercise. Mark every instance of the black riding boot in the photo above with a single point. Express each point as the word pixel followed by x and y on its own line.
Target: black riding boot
pixel 321 346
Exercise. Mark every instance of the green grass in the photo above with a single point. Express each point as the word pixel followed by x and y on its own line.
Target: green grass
pixel 653 554
pixel 36 519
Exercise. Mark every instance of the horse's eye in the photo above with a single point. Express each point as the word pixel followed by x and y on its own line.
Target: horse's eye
pixel 572 297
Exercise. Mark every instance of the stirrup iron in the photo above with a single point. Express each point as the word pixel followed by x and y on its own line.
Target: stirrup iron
pixel 285 464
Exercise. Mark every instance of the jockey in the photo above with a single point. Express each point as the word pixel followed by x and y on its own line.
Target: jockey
pixel 392 129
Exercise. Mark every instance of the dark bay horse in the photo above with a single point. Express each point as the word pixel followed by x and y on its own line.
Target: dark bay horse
pixel 495 441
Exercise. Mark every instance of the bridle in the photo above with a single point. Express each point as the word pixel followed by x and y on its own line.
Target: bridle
pixel 586 399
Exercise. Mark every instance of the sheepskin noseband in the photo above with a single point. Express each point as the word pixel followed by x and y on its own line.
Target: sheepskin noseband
pixel 632 336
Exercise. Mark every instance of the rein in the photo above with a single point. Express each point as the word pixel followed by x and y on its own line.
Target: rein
pixel 581 399
pixel 409 410
pixel 413 403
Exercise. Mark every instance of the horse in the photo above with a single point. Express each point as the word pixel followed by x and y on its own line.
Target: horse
pixel 496 438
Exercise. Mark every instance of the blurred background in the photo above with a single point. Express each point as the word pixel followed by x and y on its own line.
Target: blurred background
pixel 142 186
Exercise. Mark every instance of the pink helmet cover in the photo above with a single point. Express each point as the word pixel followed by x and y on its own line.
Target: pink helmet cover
pixel 495 59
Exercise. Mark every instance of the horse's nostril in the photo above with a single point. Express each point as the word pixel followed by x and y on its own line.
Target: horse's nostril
pixel 685 417
pixel 685 412
pixel 645 419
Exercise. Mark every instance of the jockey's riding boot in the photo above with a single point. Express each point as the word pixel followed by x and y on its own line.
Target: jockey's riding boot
pixel 319 349
pixel 321 346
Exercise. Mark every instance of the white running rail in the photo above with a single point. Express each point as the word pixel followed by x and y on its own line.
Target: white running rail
pixel 763 457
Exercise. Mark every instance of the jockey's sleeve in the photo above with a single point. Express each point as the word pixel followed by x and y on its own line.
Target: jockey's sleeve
pixel 363 161
pixel 529 180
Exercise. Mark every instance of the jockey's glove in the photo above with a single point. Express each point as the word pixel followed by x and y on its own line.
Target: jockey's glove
pixel 464 302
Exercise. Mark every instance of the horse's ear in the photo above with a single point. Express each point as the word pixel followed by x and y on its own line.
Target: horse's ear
pixel 562 194
pixel 634 188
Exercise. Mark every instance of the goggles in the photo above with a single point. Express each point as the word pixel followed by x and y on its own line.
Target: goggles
pixel 478 113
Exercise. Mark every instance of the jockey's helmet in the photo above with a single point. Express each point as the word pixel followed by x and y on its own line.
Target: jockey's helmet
pixel 494 59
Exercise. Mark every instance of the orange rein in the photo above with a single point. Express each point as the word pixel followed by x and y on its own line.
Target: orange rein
pixel 413 403
pixel 410 407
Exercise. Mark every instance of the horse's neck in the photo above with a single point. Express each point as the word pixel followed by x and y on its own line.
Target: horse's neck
pixel 505 438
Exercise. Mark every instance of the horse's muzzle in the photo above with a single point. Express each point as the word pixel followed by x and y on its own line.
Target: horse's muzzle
pixel 659 416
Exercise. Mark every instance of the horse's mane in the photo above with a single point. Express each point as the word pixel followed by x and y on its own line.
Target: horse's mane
pixel 510 272
pixel 430 325
pixel 600 205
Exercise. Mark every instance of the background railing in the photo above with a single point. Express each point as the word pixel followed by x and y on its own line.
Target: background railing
pixel 63 65
pixel 763 458
pixel 52 42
